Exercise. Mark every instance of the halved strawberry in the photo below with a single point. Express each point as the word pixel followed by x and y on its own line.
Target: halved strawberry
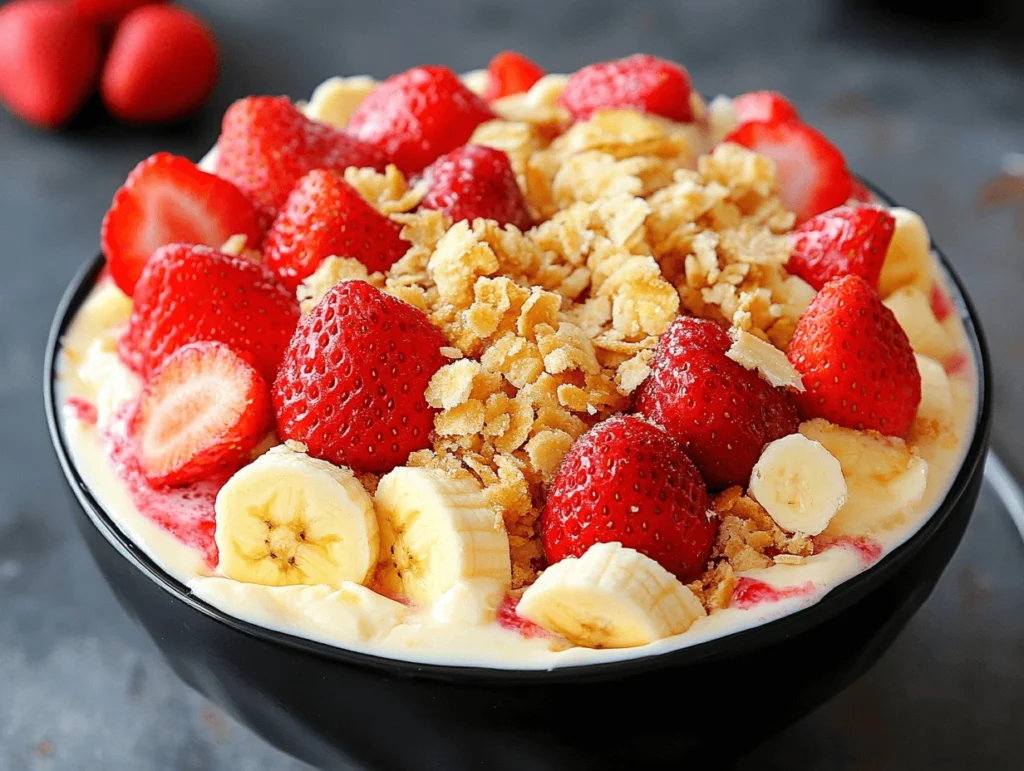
pixel 811 171
pixel 846 240
pixel 205 409
pixel 764 107
pixel 168 199
pixel 510 73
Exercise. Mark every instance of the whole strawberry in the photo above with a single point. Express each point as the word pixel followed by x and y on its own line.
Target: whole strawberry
pixel 188 293
pixel 810 171
pixel 203 411
pixel 418 115
pixel 628 481
pixel 857 365
pixel 510 73
pixel 167 199
pixel 162 65
pixel 325 216
pixel 848 240
pixel 49 60
pixel 639 82
pixel 764 107
pixel 266 146
pixel 107 13
pixel 352 381
pixel 721 413
pixel 476 181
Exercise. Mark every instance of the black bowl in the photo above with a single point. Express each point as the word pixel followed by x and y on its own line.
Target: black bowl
pixel 715 701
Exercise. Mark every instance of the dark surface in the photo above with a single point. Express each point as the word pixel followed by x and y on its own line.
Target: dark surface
pixel 925 112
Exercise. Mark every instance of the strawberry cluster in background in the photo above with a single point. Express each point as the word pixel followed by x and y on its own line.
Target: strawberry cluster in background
pixel 152 62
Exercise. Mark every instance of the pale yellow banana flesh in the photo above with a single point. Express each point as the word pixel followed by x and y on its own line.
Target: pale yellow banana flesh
pixel 290 519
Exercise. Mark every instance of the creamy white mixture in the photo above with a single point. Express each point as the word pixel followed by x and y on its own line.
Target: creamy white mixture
pixel 461 629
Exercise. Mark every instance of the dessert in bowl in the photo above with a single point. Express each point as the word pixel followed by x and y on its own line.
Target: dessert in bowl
pixel 582 380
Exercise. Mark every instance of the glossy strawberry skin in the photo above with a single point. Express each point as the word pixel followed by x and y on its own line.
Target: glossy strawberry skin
pixel 418 115
pixel 266 146
pixel 476 181
pixel 721 413
pixel 810 170
pixel 325 216
pixel 188 293
pixel 161 67
pixel 351 386
pixel 628 481
pixel 856 362
pixel 107 13
pixel 764 107
pixel 235 410
pixel 49 61
pixel 167 199
pixel 510 73
pixel 639 82
pixel 848 240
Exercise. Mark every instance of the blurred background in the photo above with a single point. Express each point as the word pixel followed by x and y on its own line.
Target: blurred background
pixel 926 103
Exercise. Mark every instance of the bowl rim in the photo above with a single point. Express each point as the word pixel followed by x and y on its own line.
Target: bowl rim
pixel 835 601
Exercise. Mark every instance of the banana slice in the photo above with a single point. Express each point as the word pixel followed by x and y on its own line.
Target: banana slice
pixel 884 477
pixel 611 597
pixel 476 81
pixel 771 364
pixel 799 483
pixel 289 519
pixel 436 531
pixel 913 310
pixel 335 99
pixel 936 392
pixel 908 262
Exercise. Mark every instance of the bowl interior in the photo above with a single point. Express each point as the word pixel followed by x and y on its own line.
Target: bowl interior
pixel 736 643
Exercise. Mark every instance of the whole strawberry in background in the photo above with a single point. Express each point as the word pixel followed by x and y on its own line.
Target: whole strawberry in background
pixel 107 13
pixel 162 65
pixel 49 60
pixel 628 481
pixel 510 73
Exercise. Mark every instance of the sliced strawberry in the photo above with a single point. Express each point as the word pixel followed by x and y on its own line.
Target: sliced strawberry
pixel 811 171
pixel 856 362
pixel 476 181
pixel 844 241
pixel 418 115
pixel 325 216
pixel 266 145
pixel 628 481
pixel 204 410
pixel 721 413
pixel 764 107
pixel 189 293
pixel 510 73
pixel 167 199
pixel 639 82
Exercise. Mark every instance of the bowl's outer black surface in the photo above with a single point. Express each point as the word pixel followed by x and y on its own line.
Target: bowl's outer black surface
pixel 712 702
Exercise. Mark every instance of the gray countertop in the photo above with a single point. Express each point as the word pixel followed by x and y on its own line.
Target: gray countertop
pixel 927 114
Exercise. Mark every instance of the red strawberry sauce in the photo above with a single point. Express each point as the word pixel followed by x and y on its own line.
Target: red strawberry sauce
pixel 82 409
pixel 185 512
pixel 513 622
pixel 868 549
pixel 750 592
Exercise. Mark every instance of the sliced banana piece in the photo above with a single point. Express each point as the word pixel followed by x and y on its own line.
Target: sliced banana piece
pixel 334 100
pixel 770 363
pixel 884 477
pixel 913 310
pixel 436 531
pixel 799 483
pixel 476 81
pixel 611 597
pixel 470 602
pixel 350 613
pixel 289 519
pixel 908 262
pixel 936 392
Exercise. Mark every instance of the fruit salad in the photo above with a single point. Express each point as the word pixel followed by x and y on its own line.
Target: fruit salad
pixel 515 369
